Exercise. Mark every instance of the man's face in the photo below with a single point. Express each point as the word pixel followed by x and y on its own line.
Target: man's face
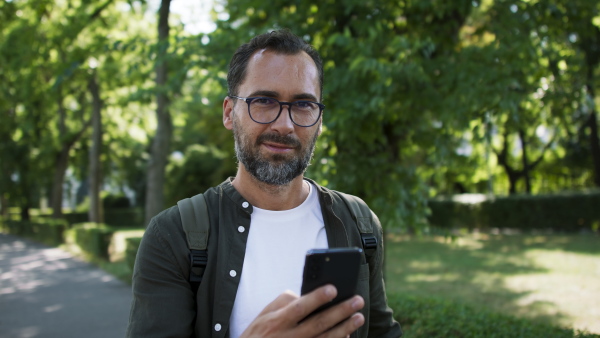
pixel 278 152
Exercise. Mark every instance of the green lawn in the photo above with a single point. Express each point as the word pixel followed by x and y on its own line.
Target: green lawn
pixel 551 278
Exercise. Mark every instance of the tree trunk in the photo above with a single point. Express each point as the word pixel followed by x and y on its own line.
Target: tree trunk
pixel 513 178
pixel 96 212
pixel 3 204
pixel 593 123
pixel 162 139
pixel 525 160
pixel 512 174
pixel 60 168
pixel 25 212
pixel 62 157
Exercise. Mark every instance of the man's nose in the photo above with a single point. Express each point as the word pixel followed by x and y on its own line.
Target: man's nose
pixel 283 125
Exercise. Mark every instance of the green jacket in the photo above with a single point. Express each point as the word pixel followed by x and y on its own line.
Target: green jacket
pixel 163 304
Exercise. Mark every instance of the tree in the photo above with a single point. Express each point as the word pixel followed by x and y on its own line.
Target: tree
pixel 96 212
pixel 162 139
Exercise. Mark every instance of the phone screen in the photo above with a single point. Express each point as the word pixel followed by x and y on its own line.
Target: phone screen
pixel 338 266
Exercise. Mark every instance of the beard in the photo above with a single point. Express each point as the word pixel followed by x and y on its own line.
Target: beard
pixel 278 169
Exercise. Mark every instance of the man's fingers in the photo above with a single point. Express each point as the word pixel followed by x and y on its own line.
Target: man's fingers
pixel 345 328
pixel 281 301
pixel 341 319
pixel 303 306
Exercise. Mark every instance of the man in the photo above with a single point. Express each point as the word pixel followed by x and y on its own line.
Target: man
pixel 262 221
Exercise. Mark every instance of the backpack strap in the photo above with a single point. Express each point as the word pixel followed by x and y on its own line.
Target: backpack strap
pixel 364 221
pixel 196 225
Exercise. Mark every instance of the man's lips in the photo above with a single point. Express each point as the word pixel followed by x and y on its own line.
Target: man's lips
pixel 278 147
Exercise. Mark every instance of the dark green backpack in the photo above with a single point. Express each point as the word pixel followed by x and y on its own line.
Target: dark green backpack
pixel 196 224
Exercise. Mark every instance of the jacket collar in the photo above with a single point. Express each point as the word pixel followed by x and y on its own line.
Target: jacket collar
pixel 239 200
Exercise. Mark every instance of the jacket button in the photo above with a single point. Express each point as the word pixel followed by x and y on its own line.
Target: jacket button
pixel 245 204
pixel 232 273
pixel 241 229
pixel 218 327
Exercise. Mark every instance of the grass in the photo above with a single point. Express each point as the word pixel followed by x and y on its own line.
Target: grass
pixel 549 278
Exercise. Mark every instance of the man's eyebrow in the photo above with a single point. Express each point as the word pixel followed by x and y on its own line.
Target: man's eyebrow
pixel 305 96
pixel 270 93
pixel 267 93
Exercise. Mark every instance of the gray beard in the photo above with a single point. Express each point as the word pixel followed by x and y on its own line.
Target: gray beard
pixel 277 171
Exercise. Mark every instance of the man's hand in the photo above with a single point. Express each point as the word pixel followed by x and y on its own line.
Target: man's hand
pixel 280 318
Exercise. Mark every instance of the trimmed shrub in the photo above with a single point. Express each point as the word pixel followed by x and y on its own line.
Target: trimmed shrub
pixel 431 317
pixel 119 217
pixel 45 230
pixel 563 212
pixel 76 217
pixel 92 238
pixel 115 202
pixel 126 217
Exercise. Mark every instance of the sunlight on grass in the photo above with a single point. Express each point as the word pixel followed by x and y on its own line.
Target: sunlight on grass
pixel 117 245
pixel 551 278
pixel 572 285
pixel 449 277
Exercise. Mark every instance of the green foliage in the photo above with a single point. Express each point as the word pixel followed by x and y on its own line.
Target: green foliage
pixel 433 317
pixel 92 238
pixel 109 201
pixel 562 212
pixel 200 168
pixel 114 217
pixel 115 202
pixel 424 98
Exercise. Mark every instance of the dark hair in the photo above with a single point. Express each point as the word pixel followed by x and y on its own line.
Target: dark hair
pixel 280 41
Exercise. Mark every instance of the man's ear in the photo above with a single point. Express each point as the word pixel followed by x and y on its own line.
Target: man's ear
pixel 320 126
pixel 228 113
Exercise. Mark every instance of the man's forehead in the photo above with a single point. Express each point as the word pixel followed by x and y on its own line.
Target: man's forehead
pixel 269 54
pixel 296 70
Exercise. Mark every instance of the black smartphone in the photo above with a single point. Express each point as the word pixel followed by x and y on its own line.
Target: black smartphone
pixel 338 266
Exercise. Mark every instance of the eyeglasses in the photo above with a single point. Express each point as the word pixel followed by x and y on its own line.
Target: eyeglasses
pixel 265 110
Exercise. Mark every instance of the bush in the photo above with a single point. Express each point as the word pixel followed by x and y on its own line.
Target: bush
pixel 115 202
pixel 76 217
pixel 564 212
pixel 123 217
pixel 45 230
pixel 92 238
pixel 430 317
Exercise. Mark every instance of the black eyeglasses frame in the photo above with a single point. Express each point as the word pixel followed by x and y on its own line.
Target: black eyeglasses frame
pixel 249 100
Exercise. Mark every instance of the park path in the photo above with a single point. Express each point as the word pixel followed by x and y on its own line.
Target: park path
pixel 45 292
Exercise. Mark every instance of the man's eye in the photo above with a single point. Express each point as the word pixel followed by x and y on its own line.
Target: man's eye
pixel 264 101
pixel 305 104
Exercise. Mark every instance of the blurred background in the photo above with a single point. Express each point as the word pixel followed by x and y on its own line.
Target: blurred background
pixel 469 127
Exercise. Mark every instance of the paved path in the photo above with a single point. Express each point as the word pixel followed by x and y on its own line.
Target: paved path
pixel 45 292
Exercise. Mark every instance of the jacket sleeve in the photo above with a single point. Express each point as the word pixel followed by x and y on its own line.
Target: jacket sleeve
pixel 163 302
pixel 381 321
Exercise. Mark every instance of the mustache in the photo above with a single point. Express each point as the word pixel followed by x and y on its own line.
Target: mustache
pixel 285 140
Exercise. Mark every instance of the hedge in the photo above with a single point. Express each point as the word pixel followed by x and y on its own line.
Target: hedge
pixel 432 317
pixel 564 212
pixel 92 238
pixel 50 232
pixel 119 217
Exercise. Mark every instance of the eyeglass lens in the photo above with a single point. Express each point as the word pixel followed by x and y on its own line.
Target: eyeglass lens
pixel 266 110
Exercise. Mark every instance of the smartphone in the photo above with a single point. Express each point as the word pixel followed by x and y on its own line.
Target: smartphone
pixel 338 266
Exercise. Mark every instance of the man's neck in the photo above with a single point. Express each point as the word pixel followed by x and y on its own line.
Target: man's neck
pixel 270 197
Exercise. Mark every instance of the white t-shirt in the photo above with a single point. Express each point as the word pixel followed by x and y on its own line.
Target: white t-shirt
pixel 274 260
